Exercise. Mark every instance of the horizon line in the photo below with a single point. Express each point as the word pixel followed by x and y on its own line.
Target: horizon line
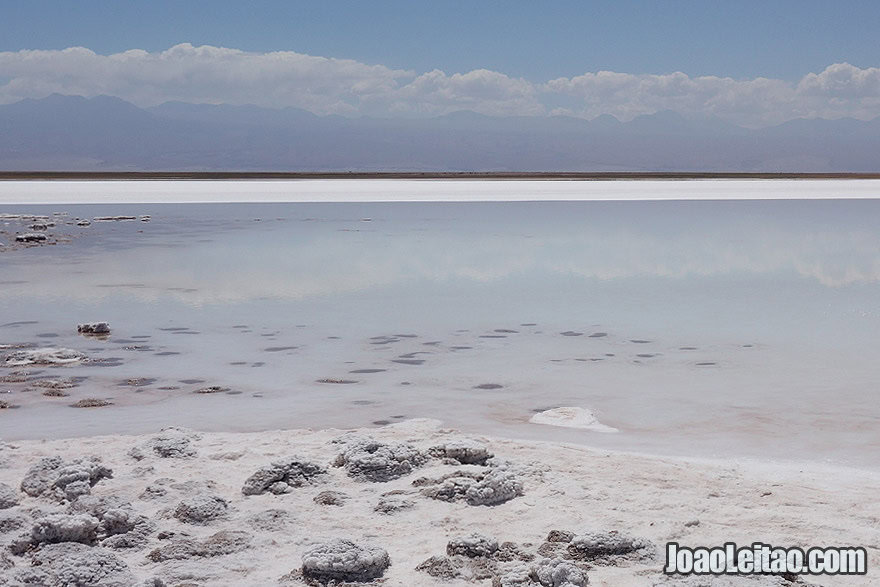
pixel 428 175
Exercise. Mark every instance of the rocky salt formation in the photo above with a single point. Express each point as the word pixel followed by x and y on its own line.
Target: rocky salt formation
pixel 342 560
pixel 69 564
pixel 393 502
pixel 271 520
pixel 464 452
pixel 558 573
pixel 8 497
pixel 170 443
pixel 12 521
pixel 477 558
pixel 58 527
pixel 365 459
pixel 50 356
pixel 473 546
pixel 119 526
pixel 283 476
pixel 60 480
pixel 594 546
pixel 94 328
pixel 201 509
pixel 336 498
pixel 477 488
pixel 218 544
pixel 605 548
pixel 224 537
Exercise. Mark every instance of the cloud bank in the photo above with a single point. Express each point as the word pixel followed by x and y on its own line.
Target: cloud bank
pixel 323 85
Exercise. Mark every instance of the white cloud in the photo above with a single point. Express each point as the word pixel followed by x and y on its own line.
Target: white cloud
pixel 344 86
pixel 481 90
pixel 751 102
pixel 840 90
pixel 200 74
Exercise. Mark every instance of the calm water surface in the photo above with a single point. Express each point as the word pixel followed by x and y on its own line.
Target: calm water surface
pixel 744 328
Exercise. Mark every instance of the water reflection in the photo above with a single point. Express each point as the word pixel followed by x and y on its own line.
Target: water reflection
pixel 218 254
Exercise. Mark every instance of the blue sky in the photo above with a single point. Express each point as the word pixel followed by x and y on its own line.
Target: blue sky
pixel 531 39
pixel 750 63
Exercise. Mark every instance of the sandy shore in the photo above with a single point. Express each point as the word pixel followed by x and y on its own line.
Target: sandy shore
pixel 185 520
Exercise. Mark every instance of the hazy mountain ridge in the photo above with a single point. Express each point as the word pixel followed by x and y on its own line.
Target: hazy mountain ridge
pixel 106 133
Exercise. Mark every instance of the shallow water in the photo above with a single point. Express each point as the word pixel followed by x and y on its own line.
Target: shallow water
pixel 732 328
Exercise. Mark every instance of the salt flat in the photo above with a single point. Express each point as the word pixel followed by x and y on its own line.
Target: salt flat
pixel 402 190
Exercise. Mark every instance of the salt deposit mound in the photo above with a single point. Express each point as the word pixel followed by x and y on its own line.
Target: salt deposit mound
pixel 571 417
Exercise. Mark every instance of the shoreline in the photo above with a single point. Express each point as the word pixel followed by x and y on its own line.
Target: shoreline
pixel 769 466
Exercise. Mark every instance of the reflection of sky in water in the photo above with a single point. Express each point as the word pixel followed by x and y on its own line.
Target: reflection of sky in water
pixel 786 268
pixel 797 278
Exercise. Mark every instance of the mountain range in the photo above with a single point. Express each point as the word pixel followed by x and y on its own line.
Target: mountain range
pixel 104 133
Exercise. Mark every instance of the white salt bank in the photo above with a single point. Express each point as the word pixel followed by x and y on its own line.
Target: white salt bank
pixel 571 417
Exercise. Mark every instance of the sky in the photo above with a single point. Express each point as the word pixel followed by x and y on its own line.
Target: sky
pixel 752 63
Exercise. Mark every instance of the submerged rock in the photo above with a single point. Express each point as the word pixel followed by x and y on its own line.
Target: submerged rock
pixel 93 328
pixel 369 460
pixel 212 389
pixel 30 237
pixel 344 560
pixel 91 402
pixel 43 356
pixel 54 384
pixel 282 476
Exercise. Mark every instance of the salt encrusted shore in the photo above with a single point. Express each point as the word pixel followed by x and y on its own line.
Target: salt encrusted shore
pixel 407 504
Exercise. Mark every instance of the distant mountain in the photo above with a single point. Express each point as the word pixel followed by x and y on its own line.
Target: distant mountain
pixel 105 133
